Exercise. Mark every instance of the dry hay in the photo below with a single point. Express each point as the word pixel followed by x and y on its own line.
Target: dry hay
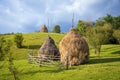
pixel 75 47
pixel 49 49
pixel 44 29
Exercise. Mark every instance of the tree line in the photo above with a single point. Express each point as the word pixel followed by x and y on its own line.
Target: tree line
pixel 106 30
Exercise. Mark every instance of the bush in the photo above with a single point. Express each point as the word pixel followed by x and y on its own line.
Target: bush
pixel 18 39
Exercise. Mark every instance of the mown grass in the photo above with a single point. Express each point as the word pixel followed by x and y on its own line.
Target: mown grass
pixel 107 67
pixel 97 69
pixel 32 42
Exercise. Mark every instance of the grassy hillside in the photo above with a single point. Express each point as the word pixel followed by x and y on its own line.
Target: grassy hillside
pixel 32 42
pixel 105 68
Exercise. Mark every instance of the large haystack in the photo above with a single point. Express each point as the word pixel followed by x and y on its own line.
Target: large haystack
pixel 44 29
pixel 75 47
pixel 49 49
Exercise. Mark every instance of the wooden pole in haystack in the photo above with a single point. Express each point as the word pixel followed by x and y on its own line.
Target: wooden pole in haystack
pixel 67 61
pixel 73 21
pixel 48 27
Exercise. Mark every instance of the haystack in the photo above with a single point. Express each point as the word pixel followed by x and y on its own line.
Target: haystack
pixel 44 29
pixel 49 49
pixel 75 47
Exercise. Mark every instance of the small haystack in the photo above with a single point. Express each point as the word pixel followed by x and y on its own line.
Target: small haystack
pixel 75 47
pixel 49 49
pixel 44 29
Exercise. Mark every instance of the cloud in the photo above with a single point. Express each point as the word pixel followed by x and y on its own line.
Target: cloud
pixel 30 15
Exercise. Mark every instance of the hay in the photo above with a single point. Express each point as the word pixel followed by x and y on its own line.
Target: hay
pixel 44 29
pixel 49 49
pixel 75 47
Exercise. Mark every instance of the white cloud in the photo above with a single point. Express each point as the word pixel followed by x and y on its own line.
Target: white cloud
pixel 18 15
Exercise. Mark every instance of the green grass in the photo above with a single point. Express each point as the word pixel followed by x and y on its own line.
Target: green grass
pixel 97 69
pixel 107 67
pixel 32 42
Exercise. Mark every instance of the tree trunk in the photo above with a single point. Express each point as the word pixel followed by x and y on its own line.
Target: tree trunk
pixel 99 50
pixel 95 51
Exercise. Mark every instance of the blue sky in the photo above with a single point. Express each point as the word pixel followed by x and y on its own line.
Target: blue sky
pixel 29 15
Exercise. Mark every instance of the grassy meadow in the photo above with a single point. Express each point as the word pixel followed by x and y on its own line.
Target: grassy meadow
pixel 32 42
pixel 107 67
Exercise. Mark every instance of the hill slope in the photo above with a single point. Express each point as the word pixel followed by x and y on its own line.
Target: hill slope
pixel 32 42
pixel 105 68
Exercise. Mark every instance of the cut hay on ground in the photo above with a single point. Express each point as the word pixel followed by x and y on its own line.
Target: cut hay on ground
pixel 49 49
pixel 75 47
pixel 44 29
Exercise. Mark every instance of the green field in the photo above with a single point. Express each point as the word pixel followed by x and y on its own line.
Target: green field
pixel 32 42
pixel 107 67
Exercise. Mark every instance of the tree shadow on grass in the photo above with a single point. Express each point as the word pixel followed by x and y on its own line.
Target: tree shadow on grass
pixel 32 47
pixel 116 52
pixel 103 60
pixel 112 48
pixel 31 72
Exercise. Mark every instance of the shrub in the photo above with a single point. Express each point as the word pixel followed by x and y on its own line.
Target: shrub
pixel 18 39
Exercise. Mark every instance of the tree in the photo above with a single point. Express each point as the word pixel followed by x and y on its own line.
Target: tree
pixel 82 25
pixel 108 33
pixel 96 37
pixel 116 22
pixel 56 29
pixel 18 39
pixel 108 19
pixel 116 34
pixel 100 22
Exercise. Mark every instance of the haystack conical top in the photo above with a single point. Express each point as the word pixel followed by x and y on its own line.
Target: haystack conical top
pixel 49 48
pixel 75 47
pixel 44 29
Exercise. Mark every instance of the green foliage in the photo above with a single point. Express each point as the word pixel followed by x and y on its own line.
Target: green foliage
pixel 56 29
pixel 2 41
pixel 100 22
pixel 108 19
pixel 116 34
pixel 5 53
pixel 96 37
pixel 18 39
pixel 82 26
pixel 109 23
pixel 116 22
pixel 12 67
pixel 4 47
pixel 108 33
